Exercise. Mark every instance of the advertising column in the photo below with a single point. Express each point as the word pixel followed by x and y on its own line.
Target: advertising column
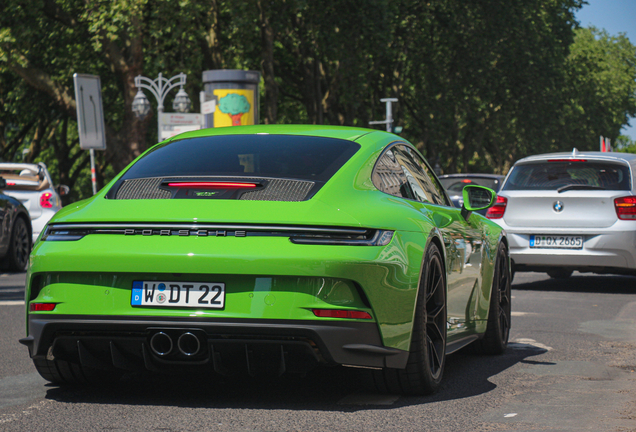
pixel 235 93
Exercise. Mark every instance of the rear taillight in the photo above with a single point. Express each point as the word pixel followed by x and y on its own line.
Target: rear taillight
pixel 625 207
pixel 41 307
pixel 497 211
pixel 45 200
pixel 341 313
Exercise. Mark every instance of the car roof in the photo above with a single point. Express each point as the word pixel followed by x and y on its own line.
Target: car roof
pixel 596 155
pixel 340 132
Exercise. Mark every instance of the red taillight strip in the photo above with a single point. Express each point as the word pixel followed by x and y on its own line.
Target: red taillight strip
pixel 567 160
pixel 341 313
pixel 41 307
pixel 216 185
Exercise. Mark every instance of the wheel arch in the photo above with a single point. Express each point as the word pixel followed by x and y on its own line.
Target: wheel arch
pixel 434 237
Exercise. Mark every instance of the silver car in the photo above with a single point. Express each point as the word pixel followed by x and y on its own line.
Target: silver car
pixel 31 184
pixel 570 211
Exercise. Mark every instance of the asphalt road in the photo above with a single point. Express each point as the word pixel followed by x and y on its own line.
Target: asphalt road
pixel 570 367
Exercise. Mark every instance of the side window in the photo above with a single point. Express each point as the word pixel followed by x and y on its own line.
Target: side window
pixel 389 177
pixel 425 184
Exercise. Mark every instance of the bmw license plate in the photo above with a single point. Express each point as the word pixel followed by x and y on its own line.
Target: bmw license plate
pixel 210 295
pixel 556 242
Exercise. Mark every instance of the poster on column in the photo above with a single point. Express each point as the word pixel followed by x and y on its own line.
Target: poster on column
pixel 234 107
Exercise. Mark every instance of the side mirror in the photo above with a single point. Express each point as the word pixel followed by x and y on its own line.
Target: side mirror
pixel 3 183
pixel 477 198
pixel 63 190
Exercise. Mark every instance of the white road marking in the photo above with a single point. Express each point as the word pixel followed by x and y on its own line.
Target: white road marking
pixel 12 302
pixel 510 415
pixel 513 313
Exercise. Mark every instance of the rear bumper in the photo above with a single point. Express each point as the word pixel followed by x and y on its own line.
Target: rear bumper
pixel 125 343
pixel 610 251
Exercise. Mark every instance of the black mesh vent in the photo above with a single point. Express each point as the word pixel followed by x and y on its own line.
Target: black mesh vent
pixel 281 190
pixel 276 189
pixel 145 188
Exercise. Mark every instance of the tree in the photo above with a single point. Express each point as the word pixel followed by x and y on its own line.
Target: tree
pixel 235 106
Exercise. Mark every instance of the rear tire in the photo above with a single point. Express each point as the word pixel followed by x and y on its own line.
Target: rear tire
pixel 495 340
pixel 560 274
pixel 17 256
pixel 68 373
pixel 427 356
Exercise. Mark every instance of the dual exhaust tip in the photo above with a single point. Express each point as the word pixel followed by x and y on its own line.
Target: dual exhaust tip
pixel 187 343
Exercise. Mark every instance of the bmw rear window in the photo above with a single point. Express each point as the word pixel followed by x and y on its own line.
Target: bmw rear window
pixel 555 175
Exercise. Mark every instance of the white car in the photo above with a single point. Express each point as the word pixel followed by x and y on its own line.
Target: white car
pixel 570 211
pixel 31 184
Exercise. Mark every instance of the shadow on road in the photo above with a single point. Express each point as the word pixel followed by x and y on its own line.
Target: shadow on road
pixel 466 375
pixel 601 284
pixel 12 286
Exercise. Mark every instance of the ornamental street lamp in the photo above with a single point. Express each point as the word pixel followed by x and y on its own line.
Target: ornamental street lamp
pixel 160 88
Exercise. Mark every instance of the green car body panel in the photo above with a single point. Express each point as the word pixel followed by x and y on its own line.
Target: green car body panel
pixel 272 278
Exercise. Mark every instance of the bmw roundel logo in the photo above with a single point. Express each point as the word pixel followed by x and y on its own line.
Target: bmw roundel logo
pixel 558 206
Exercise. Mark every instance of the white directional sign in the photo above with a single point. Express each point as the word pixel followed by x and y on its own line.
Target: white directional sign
pixel 208 107
pixel 175 123
pixel 90 114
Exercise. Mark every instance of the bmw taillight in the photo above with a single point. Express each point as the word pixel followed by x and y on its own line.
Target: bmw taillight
pixel 625 207
pixel 45 200
pixel 497 211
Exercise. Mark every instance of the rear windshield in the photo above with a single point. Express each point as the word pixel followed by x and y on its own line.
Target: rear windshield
pixel 578 175
pixel 23 179
pixel 278 156
pixel 456 184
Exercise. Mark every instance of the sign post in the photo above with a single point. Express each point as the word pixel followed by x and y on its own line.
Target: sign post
pixel 90 117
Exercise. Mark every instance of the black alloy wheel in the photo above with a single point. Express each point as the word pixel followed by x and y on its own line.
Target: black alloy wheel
pixel 495 339
pixel 427 355
pixel 20 247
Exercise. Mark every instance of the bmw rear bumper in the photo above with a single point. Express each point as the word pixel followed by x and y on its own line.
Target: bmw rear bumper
pixel 611 250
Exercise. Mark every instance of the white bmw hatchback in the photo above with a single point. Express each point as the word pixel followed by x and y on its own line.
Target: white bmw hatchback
pixel 31 184
pixel 570 211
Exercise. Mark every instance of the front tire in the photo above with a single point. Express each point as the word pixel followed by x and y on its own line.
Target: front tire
pixel 427 356
pixel 495 340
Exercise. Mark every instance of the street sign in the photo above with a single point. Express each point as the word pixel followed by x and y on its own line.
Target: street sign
pixel 208 107
pixel 90 114
pixel 174 123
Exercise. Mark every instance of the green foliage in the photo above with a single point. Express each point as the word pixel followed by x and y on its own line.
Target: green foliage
pixel 480 84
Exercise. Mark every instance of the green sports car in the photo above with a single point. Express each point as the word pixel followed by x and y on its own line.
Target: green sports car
pixel 269 249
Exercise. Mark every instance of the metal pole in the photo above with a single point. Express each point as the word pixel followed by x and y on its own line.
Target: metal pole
pixel 93 178
pixel 389 117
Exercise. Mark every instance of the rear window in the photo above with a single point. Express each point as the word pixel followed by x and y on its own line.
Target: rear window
pixel 280 156
pixel 23 179
pixel 456 184
pixel 305 160
pixel 579 175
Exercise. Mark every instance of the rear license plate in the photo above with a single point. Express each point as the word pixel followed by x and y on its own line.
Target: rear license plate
pixel 210 295
pixel 556 242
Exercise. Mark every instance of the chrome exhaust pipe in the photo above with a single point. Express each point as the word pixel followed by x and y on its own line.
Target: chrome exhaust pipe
pixel 188 344
pixel 161 344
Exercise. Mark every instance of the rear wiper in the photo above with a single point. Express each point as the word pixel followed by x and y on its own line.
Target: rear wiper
pixel 579 187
